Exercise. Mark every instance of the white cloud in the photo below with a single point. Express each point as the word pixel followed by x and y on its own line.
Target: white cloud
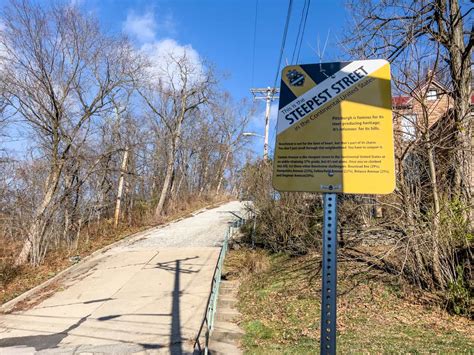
pixel 145 27
pixel 163 56
pixel 163 52
pixel 142 27
pixel 167 25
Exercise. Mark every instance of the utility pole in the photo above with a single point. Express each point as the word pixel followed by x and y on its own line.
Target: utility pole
pixel 268 94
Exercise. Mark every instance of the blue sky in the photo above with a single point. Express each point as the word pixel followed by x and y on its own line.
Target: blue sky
pixel 222 33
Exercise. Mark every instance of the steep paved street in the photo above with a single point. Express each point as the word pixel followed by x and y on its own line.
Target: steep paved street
pixel 145 296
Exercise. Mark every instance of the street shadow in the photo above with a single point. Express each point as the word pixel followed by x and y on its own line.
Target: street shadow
pixel 41 342
pixel 177 267
pixel 234 213
pixel 176 338
pixel 85 302
pixel 115 316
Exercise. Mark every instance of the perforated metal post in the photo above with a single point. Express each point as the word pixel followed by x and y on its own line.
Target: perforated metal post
pixel 329 272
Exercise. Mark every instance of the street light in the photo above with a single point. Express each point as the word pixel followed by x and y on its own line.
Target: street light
pixel 252 134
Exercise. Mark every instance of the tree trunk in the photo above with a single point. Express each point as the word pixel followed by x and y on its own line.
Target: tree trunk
pixel 177 187
pixel 118 203
pixel 437 210
pixel 419 268
pixel 37 228
pixel 69 203
pixel 103 190
pixel 460 67
pixel 204 179
pixel 222 171
pixel 167 181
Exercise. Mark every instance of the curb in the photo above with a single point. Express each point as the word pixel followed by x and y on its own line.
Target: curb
pixel 132 238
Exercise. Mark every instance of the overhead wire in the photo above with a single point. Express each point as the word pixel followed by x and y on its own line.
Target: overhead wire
pixel 254 39
pixel 299 37
pixel 285 32
pixel 302 17
pixel 304 28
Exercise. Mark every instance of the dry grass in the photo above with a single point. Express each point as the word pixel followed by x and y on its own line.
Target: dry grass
pixel 245 263
pixel 376 313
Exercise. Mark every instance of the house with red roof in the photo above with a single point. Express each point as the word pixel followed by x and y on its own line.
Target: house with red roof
pixel 425 113
pixel 420 110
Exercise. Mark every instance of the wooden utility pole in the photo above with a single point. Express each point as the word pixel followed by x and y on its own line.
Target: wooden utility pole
pixel 268 94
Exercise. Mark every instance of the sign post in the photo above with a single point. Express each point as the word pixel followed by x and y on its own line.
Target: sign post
pixel 334 136
pixel 329 272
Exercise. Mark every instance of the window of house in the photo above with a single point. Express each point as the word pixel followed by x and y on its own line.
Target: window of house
pixel 431 95
pixel 408 126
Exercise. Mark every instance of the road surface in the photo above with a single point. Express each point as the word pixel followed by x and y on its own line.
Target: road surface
pixel 142 297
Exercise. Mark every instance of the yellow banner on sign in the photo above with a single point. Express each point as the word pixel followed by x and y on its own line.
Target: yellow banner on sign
pixel 345 143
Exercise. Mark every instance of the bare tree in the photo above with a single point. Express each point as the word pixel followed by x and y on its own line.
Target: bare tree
pixel 389 28
pixel 110 140
pixel 231 121
pixel 172 93
pixel 60 71
pixel 428 45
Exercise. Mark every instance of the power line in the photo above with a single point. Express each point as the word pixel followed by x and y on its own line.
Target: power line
pixel 299 31
pixel 254 39
pixel 304 28
pixel 285 32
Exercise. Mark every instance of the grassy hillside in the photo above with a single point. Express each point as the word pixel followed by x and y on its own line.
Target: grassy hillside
pixel 280 300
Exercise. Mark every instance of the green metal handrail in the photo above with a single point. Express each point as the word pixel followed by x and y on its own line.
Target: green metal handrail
pixel 211 308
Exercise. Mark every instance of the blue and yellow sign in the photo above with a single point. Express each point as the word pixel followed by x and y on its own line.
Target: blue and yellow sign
pixel 334 130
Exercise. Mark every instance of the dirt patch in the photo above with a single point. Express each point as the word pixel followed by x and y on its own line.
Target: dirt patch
pixel 36 298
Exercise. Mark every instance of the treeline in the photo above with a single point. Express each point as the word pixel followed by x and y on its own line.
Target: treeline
pixel 423 232
pixel 107 133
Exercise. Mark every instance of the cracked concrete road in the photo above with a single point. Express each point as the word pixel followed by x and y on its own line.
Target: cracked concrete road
pixel 145 296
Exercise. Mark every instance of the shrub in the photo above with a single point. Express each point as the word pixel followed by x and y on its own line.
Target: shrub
pixel 8 272
pixel 285 222
pixel 459 295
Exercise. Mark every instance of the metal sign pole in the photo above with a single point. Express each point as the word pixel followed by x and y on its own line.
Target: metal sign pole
pixel 322 90
pixel 329 272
